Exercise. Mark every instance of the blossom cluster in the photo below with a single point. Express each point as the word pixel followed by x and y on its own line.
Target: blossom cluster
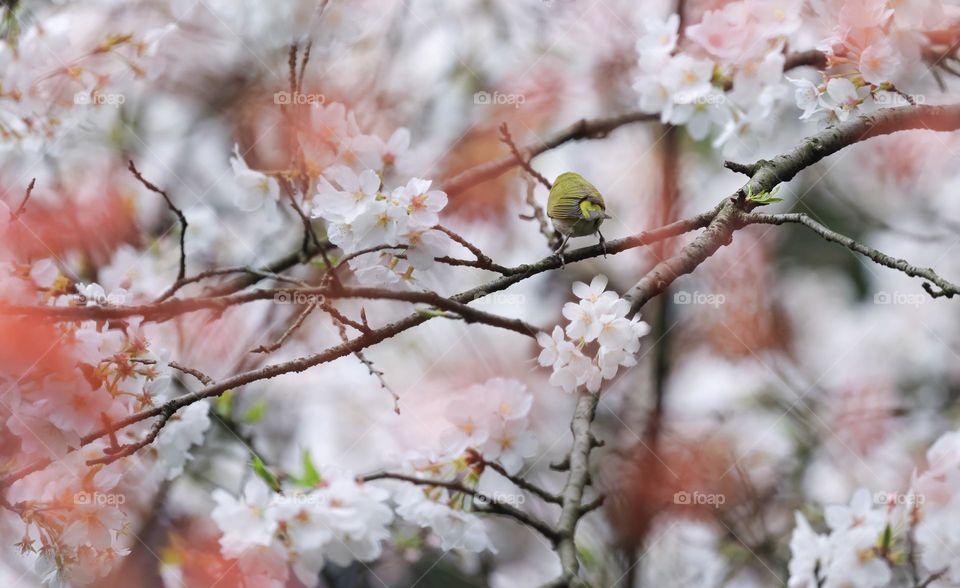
pixel 874 51
pixel 489 422
pixel 390 234
pixel 597 341
pixel 492 419
pixel 360 215
pixel 728 80
pixel 335 518
pixel 91 376
pixel 340 520
pixel 877 532
pixel 443 511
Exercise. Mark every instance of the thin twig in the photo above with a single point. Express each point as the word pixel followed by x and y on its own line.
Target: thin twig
pixel 945 288
pixel 490 504
pixel 483 261
pixel 176 211
pixel 23 204
pixel 290 330
pixel 553 237
pixel 200 376
pixel 521 160
pixel 523 484
pixel 342 323
pixel 304 61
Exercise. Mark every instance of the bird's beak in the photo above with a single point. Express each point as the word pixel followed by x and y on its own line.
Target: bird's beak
pixel 606 216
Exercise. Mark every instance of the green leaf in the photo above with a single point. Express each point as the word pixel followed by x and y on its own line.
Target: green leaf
pixel 763 197
pixel 886 539
pixel 322 264
pixel 256 412
pixel 311 477
pixel 264 474
pixel 225 404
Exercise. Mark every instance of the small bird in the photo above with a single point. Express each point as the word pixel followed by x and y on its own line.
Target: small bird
pixel 576 208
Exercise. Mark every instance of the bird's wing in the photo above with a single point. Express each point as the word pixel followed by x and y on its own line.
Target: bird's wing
pixel 564 208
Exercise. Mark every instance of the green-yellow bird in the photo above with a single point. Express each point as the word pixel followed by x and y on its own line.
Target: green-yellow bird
pixel 576 208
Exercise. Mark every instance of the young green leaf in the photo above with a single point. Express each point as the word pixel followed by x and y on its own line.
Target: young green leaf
pixel 264 474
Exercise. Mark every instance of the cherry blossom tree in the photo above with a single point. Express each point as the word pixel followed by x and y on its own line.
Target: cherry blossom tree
pixel 282 304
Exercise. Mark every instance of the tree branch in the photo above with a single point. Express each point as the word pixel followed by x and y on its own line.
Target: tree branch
pixel 490 504
pixel 183 220
pixel 946 288
pixel 766 175
pixel 578 478
pixel 582 129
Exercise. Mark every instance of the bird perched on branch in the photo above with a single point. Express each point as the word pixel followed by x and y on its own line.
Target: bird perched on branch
pixel 576 208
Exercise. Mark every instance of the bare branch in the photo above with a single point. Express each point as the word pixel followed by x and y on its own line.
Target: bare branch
pixel 490 504
pixel 23 203
pixel 766 175
pixel 522 161
pixel 582 129
pixel 175 210
pixel 578 478
pixel 290 330
pixel 342 323
pixel 521 483
pixel 552 236
pixel 946 288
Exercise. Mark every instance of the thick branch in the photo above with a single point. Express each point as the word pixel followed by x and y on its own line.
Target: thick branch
pixel 169 308
pixel 572 508
pixel 766 175
pixel 718 233
pixel 518 274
